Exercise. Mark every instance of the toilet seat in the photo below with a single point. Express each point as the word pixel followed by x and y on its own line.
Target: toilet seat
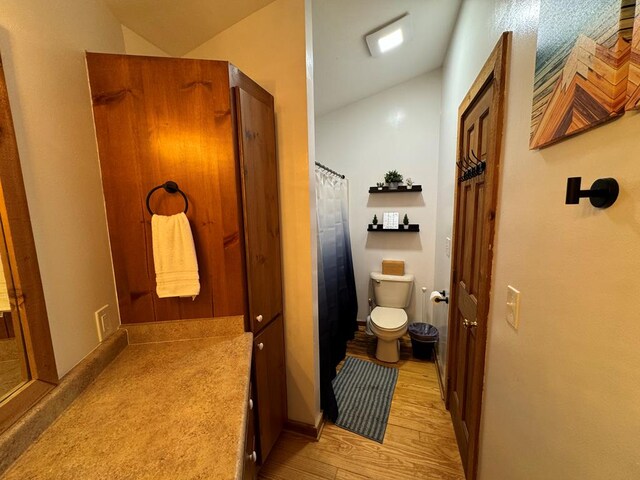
pixel 389 319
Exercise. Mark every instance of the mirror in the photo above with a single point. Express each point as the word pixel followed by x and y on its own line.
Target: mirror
pixel 13 359
pixel 27 364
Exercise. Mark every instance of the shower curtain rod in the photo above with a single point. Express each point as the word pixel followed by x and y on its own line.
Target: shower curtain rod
pixel 329 170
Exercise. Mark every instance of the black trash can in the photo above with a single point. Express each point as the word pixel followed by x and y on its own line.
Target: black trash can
pixel 423 339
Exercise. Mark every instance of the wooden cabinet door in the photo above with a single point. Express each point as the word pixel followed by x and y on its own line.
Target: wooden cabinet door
pixel 249 472
pixel 271 390
pixel 257 151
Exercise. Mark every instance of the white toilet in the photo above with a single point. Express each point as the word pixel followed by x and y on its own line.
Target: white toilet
pixel 388 320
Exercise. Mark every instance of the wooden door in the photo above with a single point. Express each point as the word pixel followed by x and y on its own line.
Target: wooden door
pixel 259 170
pixel 271 390
pixel 479 139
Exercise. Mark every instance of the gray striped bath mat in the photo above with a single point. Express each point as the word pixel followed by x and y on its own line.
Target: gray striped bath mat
pixel 364 391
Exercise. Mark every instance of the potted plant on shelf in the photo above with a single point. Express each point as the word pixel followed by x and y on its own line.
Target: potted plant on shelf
pixel 405 222
pixel 374 222
pixel 379 185
pixel 393 178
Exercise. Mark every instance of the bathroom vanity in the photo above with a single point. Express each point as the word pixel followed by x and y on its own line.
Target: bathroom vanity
pixel 174 403
pixel 209 128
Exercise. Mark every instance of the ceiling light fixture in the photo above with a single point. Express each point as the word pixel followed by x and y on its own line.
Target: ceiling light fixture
pixel 390 36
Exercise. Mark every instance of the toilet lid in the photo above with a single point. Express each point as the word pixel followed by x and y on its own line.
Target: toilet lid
pixel 389 318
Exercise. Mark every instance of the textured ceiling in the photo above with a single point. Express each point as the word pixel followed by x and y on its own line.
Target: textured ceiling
pixel 177 27
pixel 344 72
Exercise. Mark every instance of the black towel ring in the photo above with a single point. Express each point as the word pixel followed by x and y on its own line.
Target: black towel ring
pixel 169 187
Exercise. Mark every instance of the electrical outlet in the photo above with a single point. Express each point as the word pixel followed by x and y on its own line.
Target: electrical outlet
pixel 105 323
pixel 447 247
pixel 513 307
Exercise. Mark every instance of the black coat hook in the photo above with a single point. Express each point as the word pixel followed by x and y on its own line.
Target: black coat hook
pixel 602 194
pixel 470 168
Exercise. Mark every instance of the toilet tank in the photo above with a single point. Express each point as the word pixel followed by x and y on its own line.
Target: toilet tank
pixel 392 291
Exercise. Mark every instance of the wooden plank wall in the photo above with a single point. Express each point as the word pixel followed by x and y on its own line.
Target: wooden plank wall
pixel 160 119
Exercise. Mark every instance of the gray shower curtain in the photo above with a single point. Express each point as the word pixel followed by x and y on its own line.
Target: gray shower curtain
pixel 337 303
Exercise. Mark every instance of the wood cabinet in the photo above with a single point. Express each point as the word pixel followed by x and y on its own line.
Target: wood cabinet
pixel 208 127
pixel 255 130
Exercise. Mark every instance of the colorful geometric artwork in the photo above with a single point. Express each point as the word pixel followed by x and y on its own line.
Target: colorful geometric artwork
pixel 582 66
pixel 633 87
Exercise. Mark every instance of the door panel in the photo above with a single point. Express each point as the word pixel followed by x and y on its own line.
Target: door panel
pixel 249 472
pixel 468 255
pixel 160 119
pixel 480 126
pixel 256 134
pixel 271 390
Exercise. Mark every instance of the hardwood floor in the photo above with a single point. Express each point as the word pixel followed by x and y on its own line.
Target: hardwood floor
pixel 419 442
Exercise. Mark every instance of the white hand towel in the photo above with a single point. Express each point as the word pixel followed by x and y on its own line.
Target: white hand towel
pixel 5 305
pixel 174 257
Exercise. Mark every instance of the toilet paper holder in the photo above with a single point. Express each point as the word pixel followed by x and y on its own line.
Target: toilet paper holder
pixel 444 298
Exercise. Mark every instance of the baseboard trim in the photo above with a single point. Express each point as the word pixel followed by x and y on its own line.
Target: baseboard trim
pixel 440 382
pixel 305 429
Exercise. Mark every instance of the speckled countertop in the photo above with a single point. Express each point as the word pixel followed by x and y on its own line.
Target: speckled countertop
pixel 169 410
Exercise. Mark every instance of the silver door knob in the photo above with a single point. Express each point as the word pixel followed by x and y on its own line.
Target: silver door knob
pixel 259 318
pixel 250 404
pixel 260 346
pixel 252 456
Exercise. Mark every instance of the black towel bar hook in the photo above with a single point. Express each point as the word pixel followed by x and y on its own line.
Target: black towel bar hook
pixel 169 187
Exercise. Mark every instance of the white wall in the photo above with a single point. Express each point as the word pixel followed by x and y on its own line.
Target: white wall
pixel 43 48
pixel 272 47
pixel 134 44
pixel 395 129
pixel 561 393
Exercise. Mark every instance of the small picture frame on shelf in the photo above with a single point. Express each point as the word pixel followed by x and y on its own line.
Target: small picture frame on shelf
pixel 390 220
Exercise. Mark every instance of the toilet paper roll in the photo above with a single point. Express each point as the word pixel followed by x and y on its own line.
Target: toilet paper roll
pixel 435 295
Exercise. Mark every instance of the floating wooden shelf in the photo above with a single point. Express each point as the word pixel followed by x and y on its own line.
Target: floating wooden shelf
pixel 400 189
pixel 411 228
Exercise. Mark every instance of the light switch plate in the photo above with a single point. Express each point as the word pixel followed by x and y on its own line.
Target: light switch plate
pixel 513 307
pixel 447 247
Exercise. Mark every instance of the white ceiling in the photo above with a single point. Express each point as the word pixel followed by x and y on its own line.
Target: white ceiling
pixel 177 27
pixel 344 71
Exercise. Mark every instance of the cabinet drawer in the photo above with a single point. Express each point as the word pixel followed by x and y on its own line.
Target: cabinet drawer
pixel 270 384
